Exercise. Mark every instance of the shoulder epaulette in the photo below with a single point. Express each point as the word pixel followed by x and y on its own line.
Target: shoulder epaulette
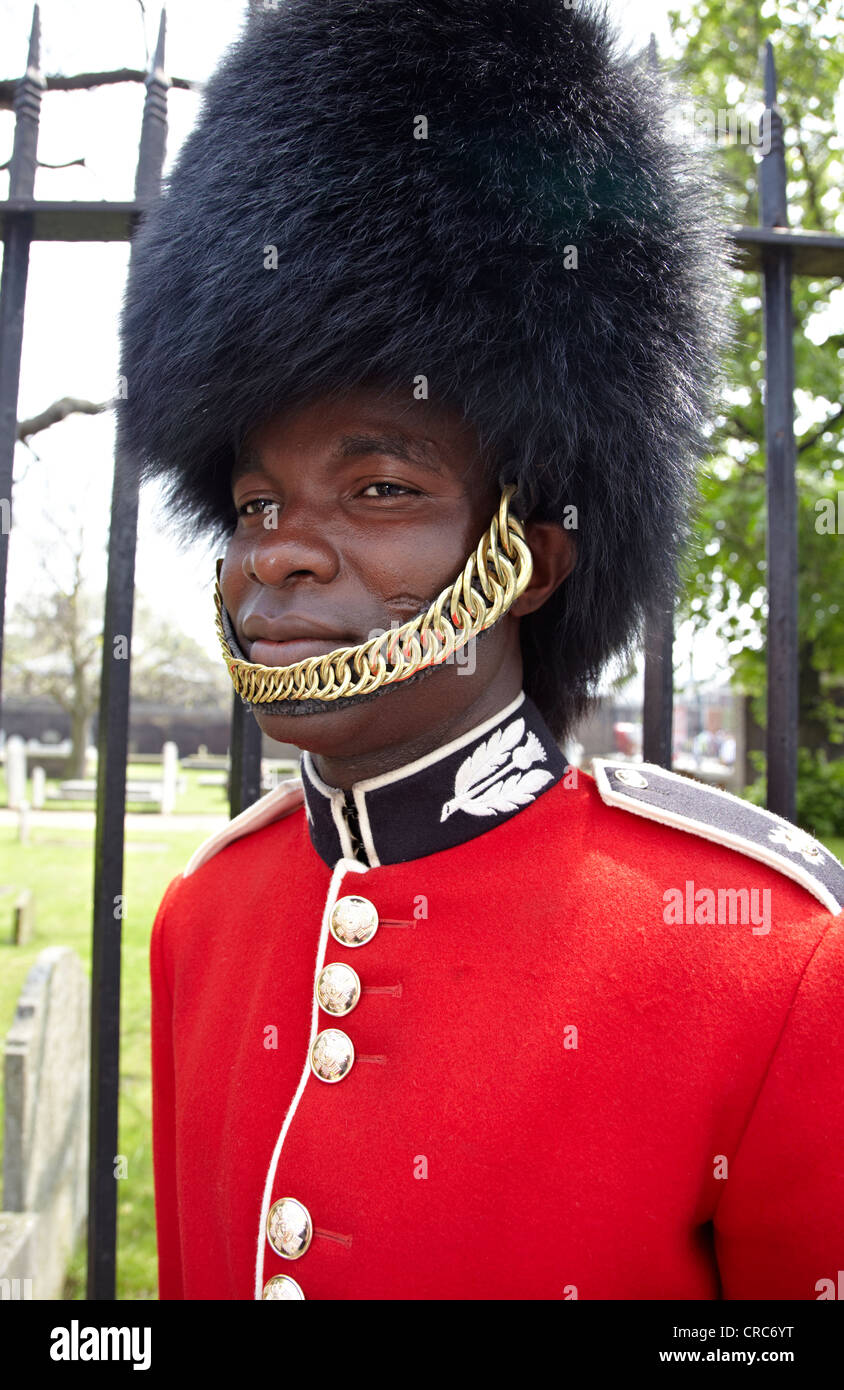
pixel 672 799
pixel 286 797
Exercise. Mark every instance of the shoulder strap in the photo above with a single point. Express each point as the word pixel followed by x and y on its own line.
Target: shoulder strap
pixel 672 799
pixel 286 797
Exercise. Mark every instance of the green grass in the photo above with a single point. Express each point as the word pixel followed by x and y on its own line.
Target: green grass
pixel 57 865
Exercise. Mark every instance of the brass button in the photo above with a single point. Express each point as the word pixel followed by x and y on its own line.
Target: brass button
pixel 289 1228
pixel 282 1286
pixel 337 989
pixel 628 778
pixel 353 921
pixel 332 1055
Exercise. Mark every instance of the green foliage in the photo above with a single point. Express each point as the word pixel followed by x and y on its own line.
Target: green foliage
pixel 56 866
pixel 724 571
pixel 820 793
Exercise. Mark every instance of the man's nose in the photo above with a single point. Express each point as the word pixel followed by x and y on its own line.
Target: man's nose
pixel 291 542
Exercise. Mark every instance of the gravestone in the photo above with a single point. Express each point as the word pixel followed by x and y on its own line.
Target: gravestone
pixel 45 1150
pixel 18 1235
pixel 39 788
pixel 169 776
pixel 23 918
pixel 15 771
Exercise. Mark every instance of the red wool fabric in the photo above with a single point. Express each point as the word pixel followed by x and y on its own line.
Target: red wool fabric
pixel 479 1148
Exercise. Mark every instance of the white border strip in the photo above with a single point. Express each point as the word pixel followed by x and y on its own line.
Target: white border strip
pixel 408 769
pixel 338 801
pixel 707 831
pixel 366 829
pixel 345 866
pixel 283 799
pixel 429 759
pixel 359 789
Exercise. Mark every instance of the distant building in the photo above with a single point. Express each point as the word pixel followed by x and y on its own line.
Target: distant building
pixel 150 726
pixel 709 732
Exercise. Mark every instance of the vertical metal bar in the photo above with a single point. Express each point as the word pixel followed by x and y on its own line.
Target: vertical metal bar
pixel 658 705
pixel 782 712
pixel 111 782
pixel 245 754
pixel 658 714
pixel 13 287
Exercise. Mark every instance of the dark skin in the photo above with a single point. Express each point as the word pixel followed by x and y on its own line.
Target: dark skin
pixel 353 515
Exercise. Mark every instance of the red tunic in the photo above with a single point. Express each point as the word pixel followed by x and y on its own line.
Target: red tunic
pixel 556 1093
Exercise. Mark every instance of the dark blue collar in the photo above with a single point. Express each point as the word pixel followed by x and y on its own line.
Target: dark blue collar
pixel 459 791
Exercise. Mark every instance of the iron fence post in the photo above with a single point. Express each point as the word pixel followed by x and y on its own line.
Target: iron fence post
pixel 782 710
pixel 112 741
pixel 16 239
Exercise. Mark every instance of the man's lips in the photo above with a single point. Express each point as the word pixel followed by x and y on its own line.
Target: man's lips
pixel 265 653
pixel 283 641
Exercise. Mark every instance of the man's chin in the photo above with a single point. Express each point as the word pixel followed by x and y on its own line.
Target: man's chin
pixel 304 722
pixel 332 727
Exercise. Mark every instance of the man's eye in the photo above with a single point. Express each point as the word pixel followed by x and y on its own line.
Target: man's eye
pixel 388 490
pixel 261 502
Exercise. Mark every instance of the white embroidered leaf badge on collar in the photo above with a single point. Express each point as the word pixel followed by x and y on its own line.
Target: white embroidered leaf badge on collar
pixel 495 777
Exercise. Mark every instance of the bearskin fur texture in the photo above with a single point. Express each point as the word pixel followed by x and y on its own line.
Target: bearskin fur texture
pixel 448 257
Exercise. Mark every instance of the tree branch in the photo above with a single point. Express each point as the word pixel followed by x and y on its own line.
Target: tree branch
pixel 68 405
pixel 736 427
pixel 84 81
pixel 807 440
pixel 42 164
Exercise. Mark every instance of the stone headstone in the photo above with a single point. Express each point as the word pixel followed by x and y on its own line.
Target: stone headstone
pixel 23 822
pixel 45 1149
pixel 18 1236
pixel 15 771
pixel 39 788
pixel 169 775
pixel 23 923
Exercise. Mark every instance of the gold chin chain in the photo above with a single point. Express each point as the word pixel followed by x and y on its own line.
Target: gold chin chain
pixel 501 566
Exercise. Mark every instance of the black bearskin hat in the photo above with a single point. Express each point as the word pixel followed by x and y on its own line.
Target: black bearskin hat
pixel 485 193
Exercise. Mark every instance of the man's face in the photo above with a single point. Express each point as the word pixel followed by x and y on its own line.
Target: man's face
pixel 352 516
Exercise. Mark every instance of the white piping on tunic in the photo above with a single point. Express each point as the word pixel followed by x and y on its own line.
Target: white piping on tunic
pixel 338 801
pixel 286 797
pixel 706 830
pixel 366 830
pixel 343 867
pixel 384 779
pixel 398 774
pixel 409 769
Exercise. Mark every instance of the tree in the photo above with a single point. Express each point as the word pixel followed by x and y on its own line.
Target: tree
pixel 55 640
pixel 169 667
pixel 725 571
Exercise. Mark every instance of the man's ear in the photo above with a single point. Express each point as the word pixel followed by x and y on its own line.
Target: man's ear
pixel 554 556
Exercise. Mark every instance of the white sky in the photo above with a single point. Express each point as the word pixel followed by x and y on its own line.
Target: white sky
pixel 74 291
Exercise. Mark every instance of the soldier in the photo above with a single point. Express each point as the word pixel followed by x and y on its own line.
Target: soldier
pixel 421 332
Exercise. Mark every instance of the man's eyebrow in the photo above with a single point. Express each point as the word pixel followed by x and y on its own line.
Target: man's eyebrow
pixel 248 462
pixel 418 451
pixel 411 450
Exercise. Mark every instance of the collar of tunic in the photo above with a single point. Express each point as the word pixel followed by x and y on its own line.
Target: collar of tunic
pixel 459 791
